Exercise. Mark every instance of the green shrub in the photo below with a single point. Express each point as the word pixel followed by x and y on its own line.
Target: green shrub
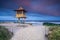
pixel 54 31
pixel 50 24
pixel 4 33
pixel 55 35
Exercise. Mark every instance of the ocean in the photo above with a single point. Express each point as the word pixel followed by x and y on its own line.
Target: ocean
pixel 30 20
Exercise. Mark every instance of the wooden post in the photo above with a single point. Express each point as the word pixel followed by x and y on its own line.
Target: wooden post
pixel 18 20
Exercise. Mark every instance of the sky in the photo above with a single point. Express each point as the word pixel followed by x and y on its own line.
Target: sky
pixel 36 9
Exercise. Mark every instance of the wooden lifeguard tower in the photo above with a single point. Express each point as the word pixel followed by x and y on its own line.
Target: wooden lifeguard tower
pixel 20 14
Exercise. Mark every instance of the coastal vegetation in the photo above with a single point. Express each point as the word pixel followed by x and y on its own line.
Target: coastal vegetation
pixel 54 31
pixel 50 24
pixel 4 33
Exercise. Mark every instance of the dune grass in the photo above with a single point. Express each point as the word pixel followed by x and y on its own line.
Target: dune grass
pixel 4 33
pixel 54 31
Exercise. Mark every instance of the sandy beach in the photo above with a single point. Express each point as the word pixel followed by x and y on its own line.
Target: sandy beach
pixel 31 32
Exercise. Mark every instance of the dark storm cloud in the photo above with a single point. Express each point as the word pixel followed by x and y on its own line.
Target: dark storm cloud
pixel 8 4
pixel 48 7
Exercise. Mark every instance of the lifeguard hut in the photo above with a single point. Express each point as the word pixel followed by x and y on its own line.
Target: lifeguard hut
pixel 20 14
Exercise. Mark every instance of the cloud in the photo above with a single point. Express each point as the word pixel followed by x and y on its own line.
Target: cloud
pixel 48 7
pixel 42 6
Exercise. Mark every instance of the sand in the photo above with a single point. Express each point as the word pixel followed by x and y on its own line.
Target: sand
pixel 30 32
